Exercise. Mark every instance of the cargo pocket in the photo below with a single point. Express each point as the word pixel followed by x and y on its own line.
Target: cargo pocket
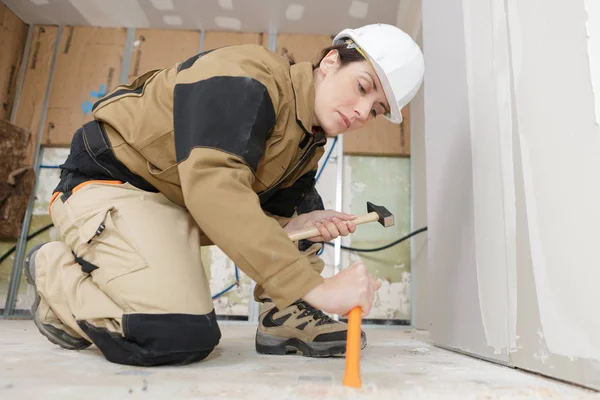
pixel 106 245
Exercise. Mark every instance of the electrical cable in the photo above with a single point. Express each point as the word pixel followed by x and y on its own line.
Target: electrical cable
pixel 234 284
pixel 326 159
pixel 34 234
pixel 387 246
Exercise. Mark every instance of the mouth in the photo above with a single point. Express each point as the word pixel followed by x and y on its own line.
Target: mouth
pixel 345 121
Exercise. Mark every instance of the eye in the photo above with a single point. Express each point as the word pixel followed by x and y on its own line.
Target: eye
pixel 361 88
pixel 373 112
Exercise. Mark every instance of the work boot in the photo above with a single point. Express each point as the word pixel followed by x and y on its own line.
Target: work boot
pixel 300 327
pixel 54 334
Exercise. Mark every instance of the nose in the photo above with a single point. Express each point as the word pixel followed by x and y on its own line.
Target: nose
pixel 363 110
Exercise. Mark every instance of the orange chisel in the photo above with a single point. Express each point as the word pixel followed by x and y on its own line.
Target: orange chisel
pixel 352 374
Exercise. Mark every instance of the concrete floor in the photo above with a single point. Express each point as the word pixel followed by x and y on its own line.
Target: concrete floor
pixel 397 363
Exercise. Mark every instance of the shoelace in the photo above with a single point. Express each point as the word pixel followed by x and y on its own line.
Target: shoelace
pixel 317 315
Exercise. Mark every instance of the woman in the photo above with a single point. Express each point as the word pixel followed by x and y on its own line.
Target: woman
pixel 219 149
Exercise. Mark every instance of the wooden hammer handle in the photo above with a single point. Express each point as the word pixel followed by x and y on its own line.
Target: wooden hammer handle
pixel 314 232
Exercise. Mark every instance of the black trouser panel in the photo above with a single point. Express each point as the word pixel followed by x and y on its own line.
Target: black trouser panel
pixel 157 339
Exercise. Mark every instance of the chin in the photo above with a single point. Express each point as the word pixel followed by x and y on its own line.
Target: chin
pixel 332 130
pixel 332 133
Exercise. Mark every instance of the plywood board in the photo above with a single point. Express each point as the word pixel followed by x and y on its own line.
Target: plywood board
pixel 380 138
pixel 302 47
pixel 154 49
pixel 13 34
pixel 34 86
pixel 214 39
pixel 88 65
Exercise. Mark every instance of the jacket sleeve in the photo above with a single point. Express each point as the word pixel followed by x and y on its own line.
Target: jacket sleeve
pixel 282 221
pixel 221 124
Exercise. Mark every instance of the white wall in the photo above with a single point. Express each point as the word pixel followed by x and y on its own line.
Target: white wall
pixel 419 263
pixel 456 317
pixel 513 171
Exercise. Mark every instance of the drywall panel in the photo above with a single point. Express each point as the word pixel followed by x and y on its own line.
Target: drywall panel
pixel 36 78
pixel 532 350
pixel 88 66
pixel 592 9
pixel 418 166
pixel 13 34
pixel 456 317
pixel 557 164
pixel 154 49
pixel 488 81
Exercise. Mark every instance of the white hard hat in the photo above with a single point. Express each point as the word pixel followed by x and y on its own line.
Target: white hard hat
pixel 396 58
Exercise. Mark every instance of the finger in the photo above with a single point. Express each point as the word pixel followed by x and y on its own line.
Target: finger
pixel 341 215
pixel 341 226
pixel 324 232
pixel 333 230
pixel 351 226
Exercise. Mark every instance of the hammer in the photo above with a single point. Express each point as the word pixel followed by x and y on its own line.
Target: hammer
pixel 352 373
pixel 375 213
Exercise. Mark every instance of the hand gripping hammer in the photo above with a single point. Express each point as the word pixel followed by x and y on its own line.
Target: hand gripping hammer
pixel 375 213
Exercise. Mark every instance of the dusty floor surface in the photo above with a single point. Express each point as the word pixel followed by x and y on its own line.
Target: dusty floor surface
pixel 397 364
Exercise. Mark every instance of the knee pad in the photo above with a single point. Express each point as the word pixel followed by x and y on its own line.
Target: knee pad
pixel 157 339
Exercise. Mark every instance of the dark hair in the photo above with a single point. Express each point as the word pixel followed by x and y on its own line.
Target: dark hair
pixel 346 55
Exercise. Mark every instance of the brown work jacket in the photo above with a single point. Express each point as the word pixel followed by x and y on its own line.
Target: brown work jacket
pixel 228 135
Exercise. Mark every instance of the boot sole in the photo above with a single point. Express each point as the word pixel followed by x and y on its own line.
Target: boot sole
pixel 51 333
pixel 276 345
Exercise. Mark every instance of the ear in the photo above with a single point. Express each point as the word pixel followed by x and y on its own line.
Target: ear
pixel 330 63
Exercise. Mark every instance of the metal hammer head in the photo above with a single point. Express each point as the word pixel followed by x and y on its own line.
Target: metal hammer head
pixel 386 218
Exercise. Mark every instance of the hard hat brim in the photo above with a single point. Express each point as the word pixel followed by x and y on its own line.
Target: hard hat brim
pixel 395 115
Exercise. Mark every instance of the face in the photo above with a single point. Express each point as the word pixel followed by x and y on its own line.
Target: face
pixel 346 98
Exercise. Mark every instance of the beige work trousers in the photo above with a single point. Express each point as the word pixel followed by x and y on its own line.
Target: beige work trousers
pixel 127 275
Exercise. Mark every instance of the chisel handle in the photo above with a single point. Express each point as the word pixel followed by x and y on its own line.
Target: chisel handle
pixel 352 374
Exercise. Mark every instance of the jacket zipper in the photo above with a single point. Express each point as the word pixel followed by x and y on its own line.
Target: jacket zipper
pixel 318 142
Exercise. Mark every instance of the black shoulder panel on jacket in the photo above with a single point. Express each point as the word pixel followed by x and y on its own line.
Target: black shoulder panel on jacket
pixel 233 114
pixel 285 201
pixel 190 61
